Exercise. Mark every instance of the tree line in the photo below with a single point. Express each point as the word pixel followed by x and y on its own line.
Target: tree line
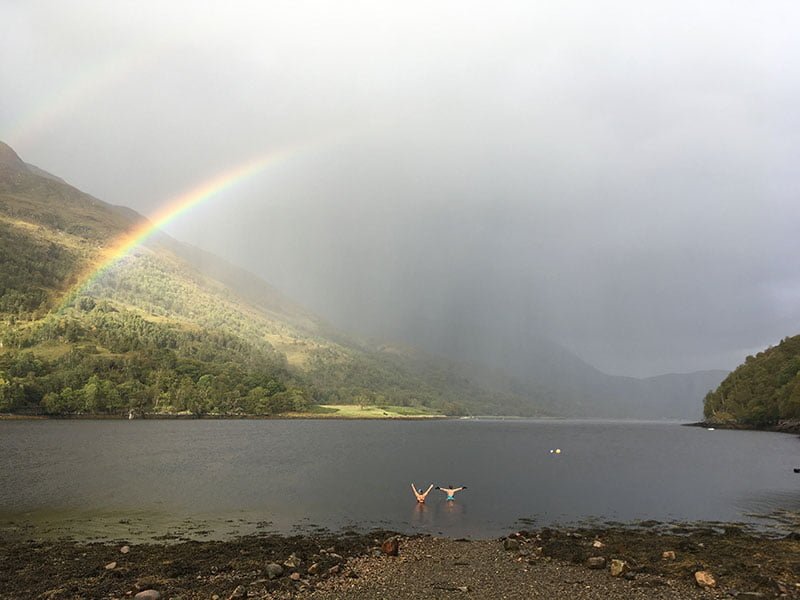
pixel 763 390
pixel 103 360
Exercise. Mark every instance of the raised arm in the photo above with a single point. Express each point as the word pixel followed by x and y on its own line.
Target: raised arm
pixel 430 487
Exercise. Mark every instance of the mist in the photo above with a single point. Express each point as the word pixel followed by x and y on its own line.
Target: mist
pixel 620 179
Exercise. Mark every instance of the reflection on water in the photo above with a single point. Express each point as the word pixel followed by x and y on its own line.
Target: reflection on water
pixel 438 516
pixel 450 514
pixel 421 517
pixel 132 479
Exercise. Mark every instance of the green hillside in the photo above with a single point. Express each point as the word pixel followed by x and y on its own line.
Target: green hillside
pixel 762 391
pixel 171 329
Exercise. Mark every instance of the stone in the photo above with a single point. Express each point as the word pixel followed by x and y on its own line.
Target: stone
pixel 295 576
pixel 705 579
pixel 125 549
pixel 596 562
pixel 510 544
pixel 273 570
pixel 292 562
pixel 147 583
pixel 313 569
pixel 668 555
pixel 111 566
pixel 148 595
pixel 597 544
pixel 334 569
pixel 618 567
pixel 391 546
pixel 239 592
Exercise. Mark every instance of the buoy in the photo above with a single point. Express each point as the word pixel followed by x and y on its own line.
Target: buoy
pixel 558 450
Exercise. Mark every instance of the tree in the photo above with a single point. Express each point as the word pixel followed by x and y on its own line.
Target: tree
pixel 790 408
pixel 6 399
pixel 92 396
pixel 186 391
pixel 299 401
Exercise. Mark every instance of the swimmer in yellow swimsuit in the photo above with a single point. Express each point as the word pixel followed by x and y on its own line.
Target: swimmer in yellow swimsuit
pixel 420 494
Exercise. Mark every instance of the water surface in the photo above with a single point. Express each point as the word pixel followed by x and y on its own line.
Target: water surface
pixel 143 479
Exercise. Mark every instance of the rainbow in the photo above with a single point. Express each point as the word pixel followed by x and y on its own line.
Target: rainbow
pixel 173 209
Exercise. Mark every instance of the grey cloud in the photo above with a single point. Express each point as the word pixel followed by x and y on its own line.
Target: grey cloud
pixel 620 177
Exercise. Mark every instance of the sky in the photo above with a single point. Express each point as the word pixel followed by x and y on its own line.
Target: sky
pixel 618 177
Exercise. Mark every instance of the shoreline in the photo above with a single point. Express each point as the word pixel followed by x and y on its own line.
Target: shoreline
pixel 788 426
pixel 180 417
pixel 546 562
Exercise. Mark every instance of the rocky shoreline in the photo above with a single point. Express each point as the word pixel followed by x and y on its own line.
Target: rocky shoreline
pixel 785 426
pixel 649 561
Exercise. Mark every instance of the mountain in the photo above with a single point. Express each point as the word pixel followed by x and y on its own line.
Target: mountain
pixel 171 328
pixel 569 386
pixel 597 394
pixel 763 390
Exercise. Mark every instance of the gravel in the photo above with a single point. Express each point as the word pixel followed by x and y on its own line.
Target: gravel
pixel 444 568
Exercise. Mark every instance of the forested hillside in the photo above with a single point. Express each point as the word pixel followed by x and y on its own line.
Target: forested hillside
pixel 171 329
pixel 762 391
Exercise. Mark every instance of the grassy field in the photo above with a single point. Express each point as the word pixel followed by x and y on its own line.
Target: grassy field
pixel 354 411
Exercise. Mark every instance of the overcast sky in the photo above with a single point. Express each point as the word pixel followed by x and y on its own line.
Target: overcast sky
pixel 621 177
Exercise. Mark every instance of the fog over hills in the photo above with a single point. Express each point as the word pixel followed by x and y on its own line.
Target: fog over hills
pixel 581 389
pixel 523 375
pixel 474 179
pixel 573 387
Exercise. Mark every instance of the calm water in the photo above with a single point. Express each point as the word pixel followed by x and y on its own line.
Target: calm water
pixel 141 479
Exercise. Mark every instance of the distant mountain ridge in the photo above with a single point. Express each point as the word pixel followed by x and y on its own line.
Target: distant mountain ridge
pixel 571 387
pixel 205 319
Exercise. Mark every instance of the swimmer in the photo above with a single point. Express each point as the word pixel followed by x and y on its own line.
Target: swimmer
pixel 420 494
pixel 451 491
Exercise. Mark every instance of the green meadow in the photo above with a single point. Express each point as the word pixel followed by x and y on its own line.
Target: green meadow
pixel 354 411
